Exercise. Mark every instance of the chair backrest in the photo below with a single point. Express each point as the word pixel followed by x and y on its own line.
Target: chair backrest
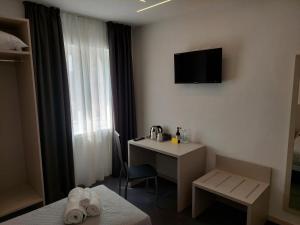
pixel 118 145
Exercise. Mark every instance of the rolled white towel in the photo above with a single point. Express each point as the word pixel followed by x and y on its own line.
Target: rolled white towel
pixel 95 207
pixel 74 212
pixel 84 195
pixel 76 192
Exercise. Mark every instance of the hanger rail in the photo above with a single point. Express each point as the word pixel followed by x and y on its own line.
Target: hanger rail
pixel 10 60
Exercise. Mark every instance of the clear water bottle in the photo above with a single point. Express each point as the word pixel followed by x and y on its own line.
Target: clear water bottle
pixel 184 138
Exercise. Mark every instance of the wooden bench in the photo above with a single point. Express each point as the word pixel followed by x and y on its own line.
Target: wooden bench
pixel 242 182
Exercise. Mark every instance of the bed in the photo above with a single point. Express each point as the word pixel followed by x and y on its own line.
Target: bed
pixel 116 211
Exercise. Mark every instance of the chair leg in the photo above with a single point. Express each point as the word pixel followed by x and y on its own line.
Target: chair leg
pixel 126 188
pixel 156 189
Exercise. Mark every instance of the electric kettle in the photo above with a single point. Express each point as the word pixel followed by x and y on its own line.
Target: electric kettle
pixel 154 131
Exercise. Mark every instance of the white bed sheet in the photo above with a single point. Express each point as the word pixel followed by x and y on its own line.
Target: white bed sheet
pixel 116 211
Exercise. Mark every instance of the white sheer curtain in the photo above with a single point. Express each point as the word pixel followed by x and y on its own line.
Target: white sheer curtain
pixel 90 93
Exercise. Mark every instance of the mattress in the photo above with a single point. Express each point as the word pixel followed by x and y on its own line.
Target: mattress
pixel 116 211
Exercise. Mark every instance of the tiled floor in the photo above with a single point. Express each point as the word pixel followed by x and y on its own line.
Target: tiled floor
pixel 164 213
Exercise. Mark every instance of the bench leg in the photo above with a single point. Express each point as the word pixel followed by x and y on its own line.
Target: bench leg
pixel 257 213
pixel 201 201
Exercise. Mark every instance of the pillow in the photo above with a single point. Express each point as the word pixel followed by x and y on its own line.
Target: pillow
pixel 10 42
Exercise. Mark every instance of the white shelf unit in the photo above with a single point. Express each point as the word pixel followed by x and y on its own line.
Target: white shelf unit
pixel 21 183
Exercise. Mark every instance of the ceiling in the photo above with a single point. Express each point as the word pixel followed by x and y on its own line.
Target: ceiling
pixel 125 10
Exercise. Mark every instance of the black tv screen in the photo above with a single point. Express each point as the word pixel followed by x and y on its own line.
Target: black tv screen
pixel 203 66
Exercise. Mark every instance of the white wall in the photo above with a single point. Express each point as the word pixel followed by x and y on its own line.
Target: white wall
pixel 11 8
pixel 247 116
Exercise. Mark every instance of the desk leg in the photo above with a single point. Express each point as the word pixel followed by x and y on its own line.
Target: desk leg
pixel 201 201
pixel 189 167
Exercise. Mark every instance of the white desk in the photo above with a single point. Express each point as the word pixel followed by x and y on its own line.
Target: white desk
pixel 190 162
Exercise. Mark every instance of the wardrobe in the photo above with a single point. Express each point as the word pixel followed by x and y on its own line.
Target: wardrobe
pixel 21 177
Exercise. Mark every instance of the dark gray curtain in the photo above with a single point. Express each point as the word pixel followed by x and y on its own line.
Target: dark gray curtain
pixel 119 39
pixel 53 99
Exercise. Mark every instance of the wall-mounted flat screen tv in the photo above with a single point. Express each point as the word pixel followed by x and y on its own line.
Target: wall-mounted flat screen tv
pixel 204 66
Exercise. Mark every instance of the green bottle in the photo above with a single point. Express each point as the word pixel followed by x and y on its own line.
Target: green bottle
pixel 178 134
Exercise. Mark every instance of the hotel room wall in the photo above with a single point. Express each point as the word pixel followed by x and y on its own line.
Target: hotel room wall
pixel 12 8
pixel 245 117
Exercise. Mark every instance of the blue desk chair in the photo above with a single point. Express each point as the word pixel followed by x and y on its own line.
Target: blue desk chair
pixel 132 173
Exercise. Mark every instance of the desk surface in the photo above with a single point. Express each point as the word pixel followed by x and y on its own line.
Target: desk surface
pixel 166 147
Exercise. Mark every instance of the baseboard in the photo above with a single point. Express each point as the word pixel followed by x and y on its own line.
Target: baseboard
pixel 279 221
